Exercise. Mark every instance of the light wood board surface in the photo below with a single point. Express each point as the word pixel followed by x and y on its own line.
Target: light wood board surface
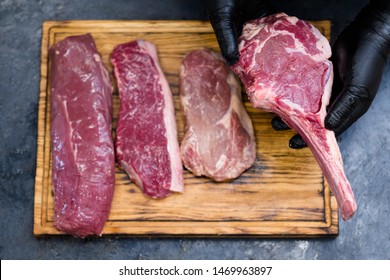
pixel 283 194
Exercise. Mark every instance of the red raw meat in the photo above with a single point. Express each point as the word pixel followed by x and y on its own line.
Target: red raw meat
pixel 285 69
pixel 83 161
pixel 219 140
pixel 146 145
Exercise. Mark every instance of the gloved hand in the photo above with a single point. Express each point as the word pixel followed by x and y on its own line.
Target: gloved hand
pixel 227 18
pixel 359 58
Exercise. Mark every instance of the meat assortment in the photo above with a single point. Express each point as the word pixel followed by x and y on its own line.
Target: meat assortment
pixel 283 65
pixel 83 162
pixel 219 141
pixel 146 145
pixel 285 69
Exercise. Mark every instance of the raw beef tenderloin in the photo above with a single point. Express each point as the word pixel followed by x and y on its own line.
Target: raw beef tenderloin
pixel 146 145
pixel 219 141
pixel 83 162
pixel 285 69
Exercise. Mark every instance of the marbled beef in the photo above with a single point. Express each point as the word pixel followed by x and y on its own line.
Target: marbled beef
pixel 285 68
pixel 146 145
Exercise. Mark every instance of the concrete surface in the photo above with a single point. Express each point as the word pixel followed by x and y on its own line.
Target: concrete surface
pixel 365 147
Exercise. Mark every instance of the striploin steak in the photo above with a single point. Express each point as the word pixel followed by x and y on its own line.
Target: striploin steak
pixel 219 141
pixel 285 69
pixel 146 138
pixel 83 162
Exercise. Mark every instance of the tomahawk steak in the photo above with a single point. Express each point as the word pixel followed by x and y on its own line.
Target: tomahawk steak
pixel 146 139
pixel 219 140
pixel 285 69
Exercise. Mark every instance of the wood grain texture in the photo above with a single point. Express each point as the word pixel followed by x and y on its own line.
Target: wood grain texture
pixel 283 194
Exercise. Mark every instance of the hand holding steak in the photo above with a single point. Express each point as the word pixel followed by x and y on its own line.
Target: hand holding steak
pixel 285 69
pixel 359 56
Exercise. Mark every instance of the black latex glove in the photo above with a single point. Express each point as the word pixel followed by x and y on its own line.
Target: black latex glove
pixel 227 18
pixel 359 58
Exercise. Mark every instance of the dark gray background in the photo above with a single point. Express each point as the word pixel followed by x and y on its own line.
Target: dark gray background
pixel 365 147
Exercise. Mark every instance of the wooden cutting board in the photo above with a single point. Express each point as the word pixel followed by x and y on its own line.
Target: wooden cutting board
pixel 283 194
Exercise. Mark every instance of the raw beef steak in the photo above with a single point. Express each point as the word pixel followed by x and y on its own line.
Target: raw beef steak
pixel 285 69
pixel 146 145
pixel 219 140
pixel 83 161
